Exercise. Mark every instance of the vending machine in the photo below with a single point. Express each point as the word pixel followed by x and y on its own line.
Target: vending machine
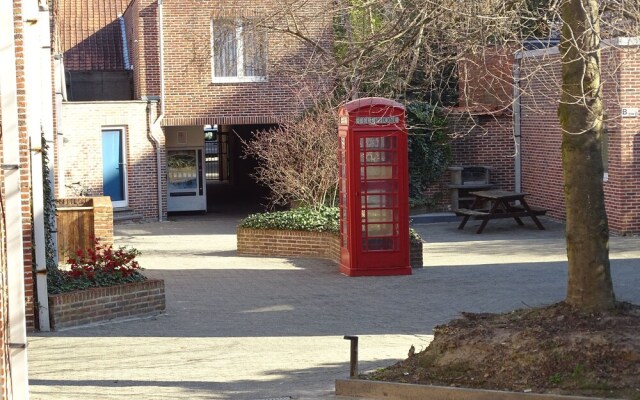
pixel 186 179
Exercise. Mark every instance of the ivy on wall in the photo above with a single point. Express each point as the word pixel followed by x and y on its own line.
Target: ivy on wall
pixel 429 149
pixel 49 210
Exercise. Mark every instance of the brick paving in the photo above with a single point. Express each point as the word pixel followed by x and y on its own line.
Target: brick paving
pixel 259 328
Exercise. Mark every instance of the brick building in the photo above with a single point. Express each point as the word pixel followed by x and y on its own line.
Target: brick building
pixel 521 139
pixel 228 68
pixel 24 77
pixel 541 135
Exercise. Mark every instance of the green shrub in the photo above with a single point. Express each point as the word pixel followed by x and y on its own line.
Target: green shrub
pixel 325 219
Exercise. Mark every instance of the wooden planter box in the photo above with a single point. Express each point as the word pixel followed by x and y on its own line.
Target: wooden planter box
pixel 405 391
pixel 286 243
pixel 94 305
pixel 79 219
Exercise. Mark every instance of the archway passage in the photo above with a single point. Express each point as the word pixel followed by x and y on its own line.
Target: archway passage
pixel 222 176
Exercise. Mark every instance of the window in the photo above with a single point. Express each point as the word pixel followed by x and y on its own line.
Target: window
pixel 239 51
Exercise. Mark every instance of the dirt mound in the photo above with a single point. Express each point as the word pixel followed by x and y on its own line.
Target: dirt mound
pixel 554 349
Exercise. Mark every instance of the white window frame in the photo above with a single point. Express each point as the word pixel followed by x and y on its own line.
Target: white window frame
pixel 240 77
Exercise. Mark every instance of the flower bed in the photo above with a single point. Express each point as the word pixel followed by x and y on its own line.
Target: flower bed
pixel 290 243
pixel 302 232
pixel 100 304
pixel 101 283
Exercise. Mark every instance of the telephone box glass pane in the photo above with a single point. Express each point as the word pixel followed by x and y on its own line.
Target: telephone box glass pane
pixel 373 244
pixel 378 172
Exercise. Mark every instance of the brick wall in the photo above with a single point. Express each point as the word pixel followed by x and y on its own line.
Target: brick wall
pixel 141 22
pixel 541 136
pixel 481 140
pixel 102 304
pixel 190 96
pixel 286 243
pixel 623 188
pixel 25 171
pixel 486 140
pixel 485 79
pixel 81 156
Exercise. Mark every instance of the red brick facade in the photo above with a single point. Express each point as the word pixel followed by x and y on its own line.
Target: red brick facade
pixel 488 141
pixel 141 21
pixel 190 96
pixel 82 125
pixel 95 305
pixel 286 243
pixel 25 171
pixel 541 135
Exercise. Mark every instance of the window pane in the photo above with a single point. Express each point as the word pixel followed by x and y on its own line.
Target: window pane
pixel 255 50
pixel 225 60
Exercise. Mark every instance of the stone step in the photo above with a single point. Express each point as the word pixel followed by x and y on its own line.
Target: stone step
pixel 126 215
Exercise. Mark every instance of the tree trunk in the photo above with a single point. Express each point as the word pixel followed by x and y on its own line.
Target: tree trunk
pixel 581 117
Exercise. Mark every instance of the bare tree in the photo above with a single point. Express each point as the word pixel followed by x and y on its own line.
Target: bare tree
pixel 298 159
pixel 581 115
pixel 414 49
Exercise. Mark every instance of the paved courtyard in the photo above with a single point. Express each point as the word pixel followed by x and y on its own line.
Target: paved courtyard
pixel 258 328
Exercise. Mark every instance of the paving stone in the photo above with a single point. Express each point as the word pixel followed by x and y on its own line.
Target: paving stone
pixel 257 328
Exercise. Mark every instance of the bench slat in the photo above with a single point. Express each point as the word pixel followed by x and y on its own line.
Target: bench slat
pixel 472 213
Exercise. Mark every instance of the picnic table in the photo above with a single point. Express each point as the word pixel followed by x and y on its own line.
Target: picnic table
pixel 501 204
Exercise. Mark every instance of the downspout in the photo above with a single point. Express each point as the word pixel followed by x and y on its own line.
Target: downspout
pixel 18 384
pixel 61 95
pixel 47 116
pixel 516 122
pixel 156 128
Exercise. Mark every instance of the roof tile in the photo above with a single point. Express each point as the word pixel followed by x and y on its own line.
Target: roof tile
pixel 89 34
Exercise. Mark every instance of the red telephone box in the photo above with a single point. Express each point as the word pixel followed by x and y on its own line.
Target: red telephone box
pixel 374 202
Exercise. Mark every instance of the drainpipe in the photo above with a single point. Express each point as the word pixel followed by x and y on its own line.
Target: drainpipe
pixel 61 95
pixel 47 112
pixel 18 385
pixel 516 122
pixel 151 128
pixel 156 128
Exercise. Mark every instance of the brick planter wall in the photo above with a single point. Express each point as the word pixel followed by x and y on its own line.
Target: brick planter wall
pixel 415 255
pixel 285 243
pixel 93 305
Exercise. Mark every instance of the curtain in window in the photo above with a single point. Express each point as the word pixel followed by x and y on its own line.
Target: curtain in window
pixel 225 52
pixel 254 43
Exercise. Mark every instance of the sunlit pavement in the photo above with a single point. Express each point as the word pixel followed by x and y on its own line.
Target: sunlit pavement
pixel 259 328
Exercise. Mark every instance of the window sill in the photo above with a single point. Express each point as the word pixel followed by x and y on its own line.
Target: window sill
pixel 239 79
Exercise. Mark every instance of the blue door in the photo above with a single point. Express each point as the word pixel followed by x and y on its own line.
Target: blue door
pixel 113 167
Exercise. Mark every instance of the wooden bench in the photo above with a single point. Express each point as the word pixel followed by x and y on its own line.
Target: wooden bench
pixel 537 211
pixel 475 214
pixel 517 211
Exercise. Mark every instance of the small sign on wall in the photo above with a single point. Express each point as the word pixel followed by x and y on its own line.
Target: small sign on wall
pixel 182 137
pixel 629 112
